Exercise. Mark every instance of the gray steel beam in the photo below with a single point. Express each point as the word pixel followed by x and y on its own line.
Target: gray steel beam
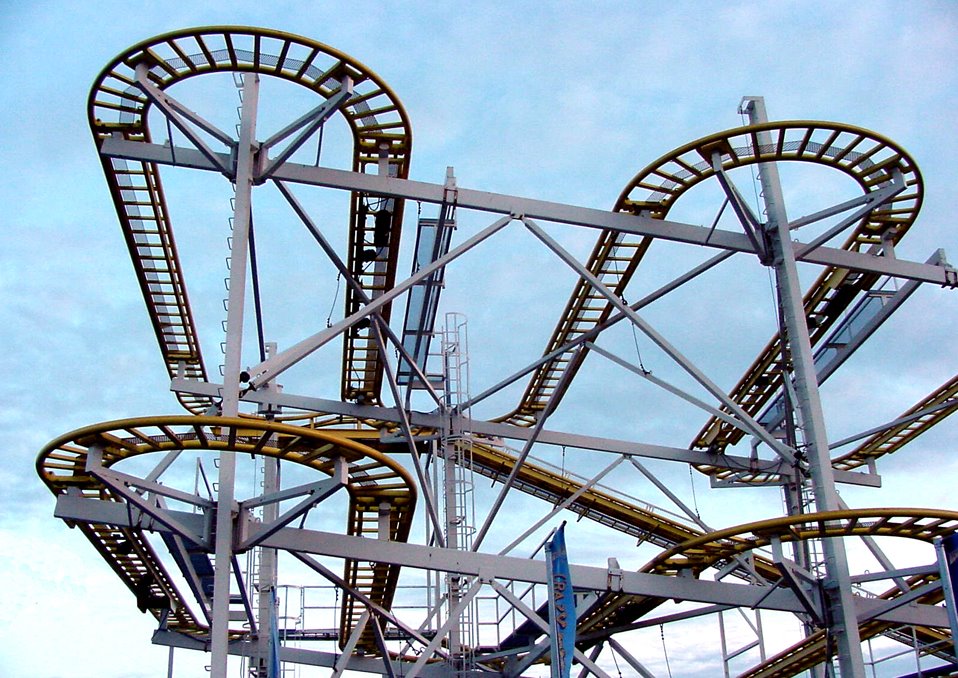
pixel 301 541
pixel 431 504
pixel 311 122
pixel 332 577
pixel 276 365
pixel 568 501
pixel 116 147
pixel 837 586
pixel 293 655
pixel 353 284
pixel 851 340
pixel 872 201
pixel 592 334
pixel 534 617
pixel 175 113
pixel 318 493
pixel 618 648
pixel 443 632
pixel 520 460
pixel 232 362
pixel 492 429
pixel 671 351
pixel 687 397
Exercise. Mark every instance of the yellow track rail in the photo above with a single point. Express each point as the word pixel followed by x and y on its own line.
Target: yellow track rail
pixel 704 551
pixel 382 138
pixel 869 159
pixel 373 479
pixel 812 651
pixel 898 436
pixel 708 550
pixel 594 504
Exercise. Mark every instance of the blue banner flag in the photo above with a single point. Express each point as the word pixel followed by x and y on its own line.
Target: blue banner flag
pixel 948 569
pixel 561 605
pixel 951 559
pixel 274 670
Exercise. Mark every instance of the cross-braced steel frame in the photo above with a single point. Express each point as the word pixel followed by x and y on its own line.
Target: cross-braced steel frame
pixel 371 444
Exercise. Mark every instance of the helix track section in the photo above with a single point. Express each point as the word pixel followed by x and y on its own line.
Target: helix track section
pixel 374 480
pixel 872 161
pixel 119 106
pixel 382 143
pixel 713 549
pixel 695 555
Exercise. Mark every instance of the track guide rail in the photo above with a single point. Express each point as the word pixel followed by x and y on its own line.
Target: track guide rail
pixel 382 144
pixel 374 482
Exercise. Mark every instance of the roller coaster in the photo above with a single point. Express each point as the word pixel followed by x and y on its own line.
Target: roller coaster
pixel 408 473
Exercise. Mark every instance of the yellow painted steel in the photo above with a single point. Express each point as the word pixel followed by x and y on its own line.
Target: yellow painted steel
pixel 716 548
pixel 374 479
pixel 382 138
pixel 814 650
pixel 868 158
pixel 896 437
pixel 694 555
pixel 594 504
pixel 381 133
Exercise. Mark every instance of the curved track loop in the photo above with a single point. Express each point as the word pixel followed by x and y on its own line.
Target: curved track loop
pixel 687 547
pixel 383 139
pixel 373 479
pixel 382 142
pixel 705 551
pixel 866 157
pixel 869 159
pixel 717 548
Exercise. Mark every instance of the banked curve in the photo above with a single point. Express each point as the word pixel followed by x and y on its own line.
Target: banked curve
pixel 382 136
pixel 374 480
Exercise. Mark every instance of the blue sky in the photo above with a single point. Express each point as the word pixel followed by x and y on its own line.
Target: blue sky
pixel 562 101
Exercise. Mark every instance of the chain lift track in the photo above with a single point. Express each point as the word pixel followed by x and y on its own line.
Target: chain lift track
pixel 119 107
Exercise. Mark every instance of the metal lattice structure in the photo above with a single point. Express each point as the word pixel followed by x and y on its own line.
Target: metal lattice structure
pixel 177 550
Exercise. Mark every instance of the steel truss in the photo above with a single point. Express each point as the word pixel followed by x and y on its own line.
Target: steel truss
pixel 376 454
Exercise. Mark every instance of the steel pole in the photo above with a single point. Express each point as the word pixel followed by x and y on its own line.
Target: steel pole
pixel 231 374
pixel 267 575
pixel 843 624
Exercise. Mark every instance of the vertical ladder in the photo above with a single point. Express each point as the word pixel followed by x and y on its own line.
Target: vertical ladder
pixel 458 483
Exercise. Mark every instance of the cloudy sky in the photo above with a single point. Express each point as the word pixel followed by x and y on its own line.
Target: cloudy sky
pixel 565 102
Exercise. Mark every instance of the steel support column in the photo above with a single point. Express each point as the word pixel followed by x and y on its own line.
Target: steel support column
pixel 231 373
pixel 843 624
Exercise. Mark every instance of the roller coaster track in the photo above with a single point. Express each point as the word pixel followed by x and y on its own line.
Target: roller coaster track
pixel 918 419
pixel 119 106
pixel 602 507
pixel 695 555
pixel 373 479
pixel 382 142
pixel 813 650
pixel 712 549
pixel 872 161
pixel 703 550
